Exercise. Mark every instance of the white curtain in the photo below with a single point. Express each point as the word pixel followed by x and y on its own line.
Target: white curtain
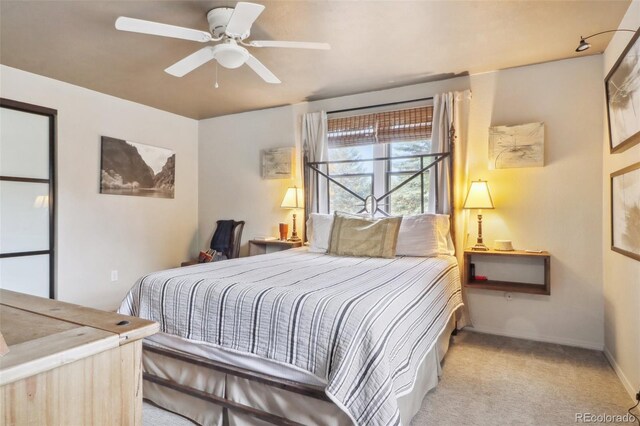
pixel 315 146
pixel 451 112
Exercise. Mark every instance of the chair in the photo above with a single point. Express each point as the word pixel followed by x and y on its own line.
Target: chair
pixel 226 239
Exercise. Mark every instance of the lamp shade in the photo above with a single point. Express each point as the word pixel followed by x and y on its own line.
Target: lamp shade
pixel 293 199
pixel 582 46
pixel 478 196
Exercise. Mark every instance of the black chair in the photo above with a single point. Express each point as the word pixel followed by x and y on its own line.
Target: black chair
pixel 226 239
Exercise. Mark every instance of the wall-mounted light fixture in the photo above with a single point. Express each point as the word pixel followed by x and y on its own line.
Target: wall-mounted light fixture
pixel 583 45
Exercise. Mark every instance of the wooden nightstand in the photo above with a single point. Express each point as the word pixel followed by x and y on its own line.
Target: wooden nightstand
pixel 513 271
pixel 263 247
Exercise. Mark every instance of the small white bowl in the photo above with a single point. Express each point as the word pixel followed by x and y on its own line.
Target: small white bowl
pixel 503 245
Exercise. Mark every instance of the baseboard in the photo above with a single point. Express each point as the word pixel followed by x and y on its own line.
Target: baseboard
pixel 538 338
pixel 625 382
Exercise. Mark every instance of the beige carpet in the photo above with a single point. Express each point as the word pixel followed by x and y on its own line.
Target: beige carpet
pixel 493 380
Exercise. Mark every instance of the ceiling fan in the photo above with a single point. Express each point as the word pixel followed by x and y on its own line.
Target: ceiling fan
pixel 231 26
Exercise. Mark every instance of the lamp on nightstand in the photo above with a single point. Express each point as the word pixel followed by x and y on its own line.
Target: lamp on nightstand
pixel 293 199
pixel 479 198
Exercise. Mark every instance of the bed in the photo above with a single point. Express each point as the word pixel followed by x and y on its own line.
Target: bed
pixel 304 338
pixel 366 330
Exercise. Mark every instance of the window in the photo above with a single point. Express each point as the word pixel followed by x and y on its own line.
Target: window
pixel 400 138
pixel 357 176
pixel 413 197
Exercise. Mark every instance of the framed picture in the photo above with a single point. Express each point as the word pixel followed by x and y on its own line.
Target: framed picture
pixel 625 211
pixel 277 163
pixel 516 146
pixel 128 168
pixel 623 98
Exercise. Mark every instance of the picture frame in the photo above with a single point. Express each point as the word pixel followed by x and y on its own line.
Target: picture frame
pixel 625 211
pixel 622 88
pixel 277 163
pixel 131 168
pixel 516 146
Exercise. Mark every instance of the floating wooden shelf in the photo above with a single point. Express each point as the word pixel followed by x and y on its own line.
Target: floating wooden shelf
pixel 509 286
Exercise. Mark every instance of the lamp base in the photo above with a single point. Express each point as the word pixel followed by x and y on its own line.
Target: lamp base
pixel 294 234
pixel 480 247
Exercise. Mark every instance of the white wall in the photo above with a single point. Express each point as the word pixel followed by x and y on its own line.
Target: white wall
pixel 230 182
pixel 557 207
pixel 621 273
pixel 99 233
pixel 229 152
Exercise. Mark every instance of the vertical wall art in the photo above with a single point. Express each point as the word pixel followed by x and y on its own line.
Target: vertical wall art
pixel 623 98
pixel 625 211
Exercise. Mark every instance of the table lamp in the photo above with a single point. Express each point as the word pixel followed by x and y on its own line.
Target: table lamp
pixel 293 199
pixel 479 198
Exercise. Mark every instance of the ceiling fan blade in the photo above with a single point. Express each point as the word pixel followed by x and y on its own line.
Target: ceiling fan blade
pixel 155 28
pixel 191 62
pixel 261 70
pixel 291 44
pixel 244 15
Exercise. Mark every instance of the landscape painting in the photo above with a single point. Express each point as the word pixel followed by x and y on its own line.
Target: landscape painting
pixel 623 98
pixel 129 168
pixel 625 211
pixel 516 146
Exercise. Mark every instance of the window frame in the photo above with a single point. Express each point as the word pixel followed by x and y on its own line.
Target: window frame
pixel 382 173
pixel 389 173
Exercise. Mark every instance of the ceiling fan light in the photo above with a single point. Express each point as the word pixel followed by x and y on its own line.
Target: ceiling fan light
pixel 583 45
pixel 231 56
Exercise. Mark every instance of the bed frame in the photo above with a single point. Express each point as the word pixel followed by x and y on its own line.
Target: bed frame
pixel 266 379
pixel 372 205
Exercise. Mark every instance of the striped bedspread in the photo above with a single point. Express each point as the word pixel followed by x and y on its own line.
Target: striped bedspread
pixel 363 325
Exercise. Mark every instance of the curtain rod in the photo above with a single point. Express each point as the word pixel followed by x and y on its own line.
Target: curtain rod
pixel 380 105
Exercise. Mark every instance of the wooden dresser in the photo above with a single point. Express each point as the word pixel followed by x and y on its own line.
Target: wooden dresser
pixel 68 364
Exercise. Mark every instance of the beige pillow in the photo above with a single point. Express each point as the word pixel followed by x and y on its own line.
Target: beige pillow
pixel 355 236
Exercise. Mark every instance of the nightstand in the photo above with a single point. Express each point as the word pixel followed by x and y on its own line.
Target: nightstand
pixel 270 246
pixel 512 271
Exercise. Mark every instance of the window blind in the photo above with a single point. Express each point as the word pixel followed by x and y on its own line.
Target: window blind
pixel 405 125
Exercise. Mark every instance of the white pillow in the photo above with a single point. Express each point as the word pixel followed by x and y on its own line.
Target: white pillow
pixel 424 235
pixel 445 243
pixel 418 236
pixel 319 232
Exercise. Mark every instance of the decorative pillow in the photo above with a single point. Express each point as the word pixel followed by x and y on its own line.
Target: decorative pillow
pixel 424 235
pixel 355 236
pixel 319 232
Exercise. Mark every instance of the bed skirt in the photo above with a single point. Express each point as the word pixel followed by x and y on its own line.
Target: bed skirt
pixel 299 408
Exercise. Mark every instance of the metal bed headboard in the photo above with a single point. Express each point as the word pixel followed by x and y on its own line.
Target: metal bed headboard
pixel 371 203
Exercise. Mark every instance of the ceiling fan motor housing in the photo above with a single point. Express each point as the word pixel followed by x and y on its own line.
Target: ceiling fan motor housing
pixel 218 19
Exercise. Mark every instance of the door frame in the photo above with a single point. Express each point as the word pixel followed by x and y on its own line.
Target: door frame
pixel 52 114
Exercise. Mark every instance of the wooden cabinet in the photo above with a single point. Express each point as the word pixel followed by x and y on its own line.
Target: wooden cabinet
pixel 68 364
pixel 263 247
pixel 512 271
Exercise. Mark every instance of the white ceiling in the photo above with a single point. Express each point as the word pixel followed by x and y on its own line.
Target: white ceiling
pixel 375 45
